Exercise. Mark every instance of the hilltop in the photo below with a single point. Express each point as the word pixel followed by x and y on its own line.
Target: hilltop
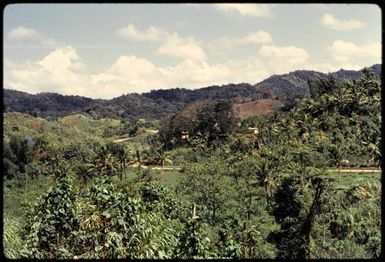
pixel 157 103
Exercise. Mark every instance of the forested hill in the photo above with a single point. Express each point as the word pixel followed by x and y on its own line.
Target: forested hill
pixel 291 84
pixel 156 103
pixel 45 104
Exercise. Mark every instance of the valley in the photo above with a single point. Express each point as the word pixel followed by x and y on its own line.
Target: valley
pixel 221 178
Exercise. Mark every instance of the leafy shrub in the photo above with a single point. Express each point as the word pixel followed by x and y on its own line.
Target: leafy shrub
pixel 51 222
pixel 104 223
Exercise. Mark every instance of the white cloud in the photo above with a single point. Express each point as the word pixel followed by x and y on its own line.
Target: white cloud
pixel 285 53
pixel 62 60
pixel 195 74
pixel 63 71
pixel 186 48
pixel 137 66
pixel 258 37
pixel 257 10
pixel 20 33
pixel 330 21
pixel 282 59
pixel 60 71
pixel 27 37
pixel 348 56
pixel 151 34
pixel 346 51
pixel 171 43
pixel 127 75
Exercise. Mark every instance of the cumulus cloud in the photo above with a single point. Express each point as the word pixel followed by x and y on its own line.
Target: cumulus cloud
pixel 127 74
pixel 63 71
pixel 283 58
pixel 62 60
pixel 171 43
pixel 60 71
pixel 330 21
pixel 20 32
pixel 28 37
pixel 186 48
pixel 256 10
pixel 151 34
pixel 194 73
pixel 258 37
pixel 346 51
pixel 348 56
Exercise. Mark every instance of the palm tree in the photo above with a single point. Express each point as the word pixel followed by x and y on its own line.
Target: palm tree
pixel 137 158
pixel 368 82
pixel 121 155
pixel 110 164
pixel 314 106
pixel 303 123
pixel 361 99
pixel 342 95
pixel 104 165
pixel 374 153
pixel 265 177
pixel 302 152
pixel 337 154
pixel 344 99
pixel 164 158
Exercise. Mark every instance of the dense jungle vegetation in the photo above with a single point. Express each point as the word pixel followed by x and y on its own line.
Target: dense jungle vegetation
pixel 72 190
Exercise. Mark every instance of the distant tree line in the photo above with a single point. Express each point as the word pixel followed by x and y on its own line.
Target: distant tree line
pixel 159 103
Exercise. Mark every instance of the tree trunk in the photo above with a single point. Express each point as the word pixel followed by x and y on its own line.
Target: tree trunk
pixel 124 168
pixel 302 178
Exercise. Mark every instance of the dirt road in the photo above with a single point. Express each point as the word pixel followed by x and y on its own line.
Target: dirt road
pixel 178 168
pixel 357 170
pixel 342 170
pixel 122 139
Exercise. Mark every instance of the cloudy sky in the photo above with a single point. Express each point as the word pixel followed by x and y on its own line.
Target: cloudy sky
pixel 106 50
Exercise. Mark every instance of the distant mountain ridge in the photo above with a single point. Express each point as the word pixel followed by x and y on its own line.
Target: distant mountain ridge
pixel 156 103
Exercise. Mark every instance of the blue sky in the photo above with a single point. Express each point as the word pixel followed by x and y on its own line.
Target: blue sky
pixel 106 50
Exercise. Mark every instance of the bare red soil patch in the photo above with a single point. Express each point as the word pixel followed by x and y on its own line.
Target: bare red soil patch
pixel 257 107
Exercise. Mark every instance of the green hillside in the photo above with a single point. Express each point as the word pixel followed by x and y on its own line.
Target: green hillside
pixel 201 183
